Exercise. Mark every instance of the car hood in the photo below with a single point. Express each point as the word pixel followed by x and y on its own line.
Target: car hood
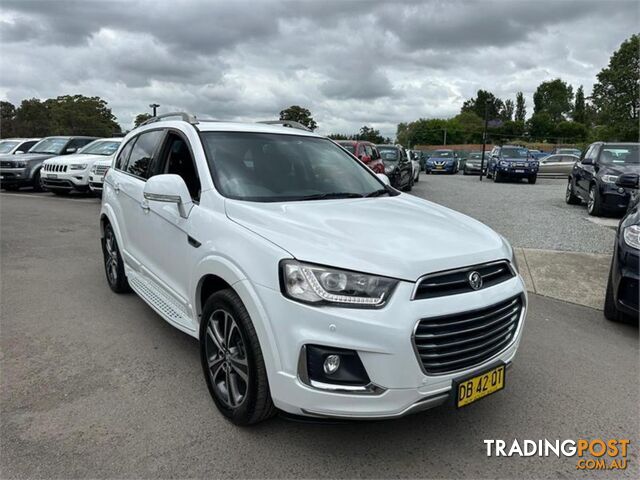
pixel 619 169
pixel 26 157
pixel 515 159
pixel 76 158
pixel 401 237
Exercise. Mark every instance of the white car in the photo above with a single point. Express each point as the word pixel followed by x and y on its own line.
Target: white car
pixel 295 266
pixel 12 146
pixel 96 174
pixel 67 173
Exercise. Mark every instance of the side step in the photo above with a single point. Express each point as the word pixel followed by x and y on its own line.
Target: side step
pixel 160 301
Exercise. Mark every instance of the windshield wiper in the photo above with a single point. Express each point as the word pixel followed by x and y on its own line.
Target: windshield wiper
pixel 377 193
pixel 323 196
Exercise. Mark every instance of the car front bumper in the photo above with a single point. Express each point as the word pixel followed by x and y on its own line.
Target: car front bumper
pixel 471 168
pixel 96 182
pixel 614 198
pixel 15 176
pixel 626 279
pixel 517 171
pixel 383 341
pixel 440 169
pixel 70 180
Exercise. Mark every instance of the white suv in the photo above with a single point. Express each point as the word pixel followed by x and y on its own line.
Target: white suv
pixel 66 173
pixel 295 267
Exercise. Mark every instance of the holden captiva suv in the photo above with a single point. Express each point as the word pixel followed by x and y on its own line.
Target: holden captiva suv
pixel 294 265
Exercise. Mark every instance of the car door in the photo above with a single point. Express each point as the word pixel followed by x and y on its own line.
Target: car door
pixel 551 164
pixel 171 247
pixel 567 164
pixel 128 185
pixel 585 173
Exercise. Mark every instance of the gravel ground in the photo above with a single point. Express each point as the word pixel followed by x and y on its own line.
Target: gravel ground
pixel 530 216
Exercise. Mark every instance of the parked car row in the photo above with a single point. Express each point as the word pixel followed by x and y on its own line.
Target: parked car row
pixel 60 164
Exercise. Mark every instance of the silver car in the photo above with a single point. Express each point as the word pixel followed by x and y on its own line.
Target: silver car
pixel 559 165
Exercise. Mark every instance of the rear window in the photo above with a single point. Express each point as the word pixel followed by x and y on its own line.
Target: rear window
pixel 349 147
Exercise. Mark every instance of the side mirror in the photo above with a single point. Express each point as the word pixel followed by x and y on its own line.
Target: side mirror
pixel 587 161
pixel 71 150
pixel 628 180
pixel 18 152
pixel 169 188
pixel 384 178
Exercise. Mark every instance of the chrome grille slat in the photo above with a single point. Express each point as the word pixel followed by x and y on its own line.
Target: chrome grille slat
pixel 463 340
pixel 455 282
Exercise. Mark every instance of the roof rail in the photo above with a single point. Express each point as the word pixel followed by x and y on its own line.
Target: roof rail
pixel 288 123
pixel 183 116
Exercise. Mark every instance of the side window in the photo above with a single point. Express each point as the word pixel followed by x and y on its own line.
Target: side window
pixel 369 151
pixel 78 143
pixel 142 153
pixel 590 152
pixel 361 150
pixel 124 153
pixel 26 146
pixel 376 154
pixel 177 159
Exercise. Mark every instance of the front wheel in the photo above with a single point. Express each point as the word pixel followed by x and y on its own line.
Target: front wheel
pixel 594 204
pixel 409 185
pixel 497 177
pixel 232 360
pixel 38 186
pixel 532 179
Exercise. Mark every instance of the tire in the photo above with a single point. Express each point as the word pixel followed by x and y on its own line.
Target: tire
pixel 113 264
pixel 464 171
pixel 417 179
pixel 37 182
pixel 230 354
pixel 532 179
pixel 611 312
pixel 594 204
pixel 409 186
pixel 570 197
pixel 496 177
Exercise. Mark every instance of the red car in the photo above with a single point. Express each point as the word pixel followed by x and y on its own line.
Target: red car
pixel 366 152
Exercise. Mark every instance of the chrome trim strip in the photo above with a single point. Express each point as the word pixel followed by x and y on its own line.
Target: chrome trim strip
pixel 461 269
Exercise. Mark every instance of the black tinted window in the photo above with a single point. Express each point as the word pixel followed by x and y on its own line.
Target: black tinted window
pixel 124 154
pixel 142 153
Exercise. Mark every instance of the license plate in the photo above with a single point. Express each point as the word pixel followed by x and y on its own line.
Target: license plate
pixel 519 171
pixel 473 389
pixel 52 175
pixel 439 167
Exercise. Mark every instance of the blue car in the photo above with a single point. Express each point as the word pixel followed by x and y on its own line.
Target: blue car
pixel 442 161
pixel 512 162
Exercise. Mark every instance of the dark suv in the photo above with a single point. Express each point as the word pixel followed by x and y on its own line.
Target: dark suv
pixel 366 152
pixel 512 162
pixel 397 166
pixel 24 170
pixel 593 178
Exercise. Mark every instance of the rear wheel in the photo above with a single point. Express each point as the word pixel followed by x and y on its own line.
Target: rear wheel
pixel 113 264
pixel 570 197
pixel 232 360
pixel 594 203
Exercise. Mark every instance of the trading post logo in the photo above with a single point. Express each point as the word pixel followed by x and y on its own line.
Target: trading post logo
pixel 595 454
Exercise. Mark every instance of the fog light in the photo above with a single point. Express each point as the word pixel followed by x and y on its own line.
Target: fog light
pixel 620 190
pixel 331 364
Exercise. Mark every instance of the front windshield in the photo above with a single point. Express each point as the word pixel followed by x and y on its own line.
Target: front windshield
pixel 388 154
pixel 53 145
pixel 6 146
pixel 620 155
pixel 475 156
pixel 442 154
pixel 101 147
pixel 266 167
pixel 512 152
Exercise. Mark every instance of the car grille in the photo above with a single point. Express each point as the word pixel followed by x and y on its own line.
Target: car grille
pixel 52 167
pixel 454 282
pixel 7 164
pixel 460 341
pixel 101 169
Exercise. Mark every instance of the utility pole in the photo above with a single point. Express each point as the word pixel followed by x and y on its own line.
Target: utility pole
pixel 154 106
pixel 445 136
pixel 484 136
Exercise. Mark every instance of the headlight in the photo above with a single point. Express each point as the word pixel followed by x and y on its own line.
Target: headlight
pixel 389 169
pixel 77 166
pixel 503 163
pixel 323 285
pixel 609 178
pixel 631 236
pixel 20 164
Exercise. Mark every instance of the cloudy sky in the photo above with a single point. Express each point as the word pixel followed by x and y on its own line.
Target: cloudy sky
pixel 350 62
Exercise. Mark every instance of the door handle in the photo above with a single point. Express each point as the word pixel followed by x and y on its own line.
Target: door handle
pixel 145 207
pixel 116 187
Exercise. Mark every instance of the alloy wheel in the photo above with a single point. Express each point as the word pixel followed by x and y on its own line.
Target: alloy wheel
pixel 111 260
pixel 592 199
pixel 227 361
pixel 567 194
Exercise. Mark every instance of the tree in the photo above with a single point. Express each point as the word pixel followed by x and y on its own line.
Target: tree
pixel 369 134
pixel 541 126
pixel 33 119
pixel 402 134
pixel 511 129
pixel 338 136
pixel 616 94
pixel 555 98
pixel 468 126
pixel 140 119
pixel 299 114
pixel 507 111
pixel 579 107
pixel 521 110
pixel 477 105
pixel 571 131
pixel 7 117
